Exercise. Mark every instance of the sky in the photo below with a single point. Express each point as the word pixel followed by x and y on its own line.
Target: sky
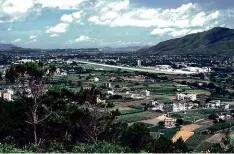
pixel 52 24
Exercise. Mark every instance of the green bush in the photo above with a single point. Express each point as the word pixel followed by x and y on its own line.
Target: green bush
pixel 100 147
pixel 10 149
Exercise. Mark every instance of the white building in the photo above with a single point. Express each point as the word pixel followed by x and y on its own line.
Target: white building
pixel 191 97
pixel 137 96
pixel 110 92
pixel 139 63
pixel 225 106
pixel 178 107
pixel 7 96
pixel 169 122
pixel 147 93
pixel 96 79
pixel 64 74
pixel 215 103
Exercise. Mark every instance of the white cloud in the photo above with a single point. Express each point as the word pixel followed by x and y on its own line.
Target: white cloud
pixel 180 32
pixel 71 17
pixel 161 31
pixel 119 5
pixel 17 40
pixel 83 38
pixel 14 10
pixel 59 28
pixel 61 4
pixel 32 37
pixel 184 17
pixel 11 10
pixel 54 35
pixel 67 18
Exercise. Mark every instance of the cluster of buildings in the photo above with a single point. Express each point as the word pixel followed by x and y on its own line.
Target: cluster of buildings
pixel 217 104
pixel 184 102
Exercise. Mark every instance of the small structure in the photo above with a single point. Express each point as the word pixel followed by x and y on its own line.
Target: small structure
pixel 7 94
pixel 100 101
pixel 191 97
pixel 139 63
pixel 96 79
pixel 169 122
pixel 110 92
pixel 137 96
pixel 224 106
pixel 147 93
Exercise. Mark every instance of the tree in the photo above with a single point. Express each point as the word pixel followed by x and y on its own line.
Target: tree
pixel 88 124
pixel 137 137
pixel 212 116
pixel 29 80
pixel 161 123
pixel 162 145
pixel 180 146
pixel 179 122
pixel 115 132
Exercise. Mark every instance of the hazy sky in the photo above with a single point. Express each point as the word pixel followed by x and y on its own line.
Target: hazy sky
pixel 100 23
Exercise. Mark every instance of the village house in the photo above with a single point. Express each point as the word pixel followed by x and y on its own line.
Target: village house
pixel 191 97
pixel 217 104
pixel 169 122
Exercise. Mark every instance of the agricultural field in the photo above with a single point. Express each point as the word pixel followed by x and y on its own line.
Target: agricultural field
pixel 216 138
pixel 182 134
pixel 135 117
pixel 193 115
pixel 195 140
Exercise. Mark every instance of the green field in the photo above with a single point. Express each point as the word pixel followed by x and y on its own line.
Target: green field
pixel 191 115
pixel 195 140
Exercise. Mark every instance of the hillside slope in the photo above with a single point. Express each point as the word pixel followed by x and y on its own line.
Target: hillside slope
pixel 215 41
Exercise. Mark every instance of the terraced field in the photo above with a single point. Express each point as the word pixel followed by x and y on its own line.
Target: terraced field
pixel 185 132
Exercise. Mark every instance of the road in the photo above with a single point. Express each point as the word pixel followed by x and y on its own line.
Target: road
pixel 150 70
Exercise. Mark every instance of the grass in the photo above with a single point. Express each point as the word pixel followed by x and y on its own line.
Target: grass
pixel 132 111
pixel 155 128
pixel 169 133
pixel 204 147
pixel 148 125
pixel 202 128
pixel 193 114
pixel 195 140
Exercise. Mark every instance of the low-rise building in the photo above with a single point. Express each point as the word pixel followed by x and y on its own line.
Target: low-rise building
pixel 96 79
pixel 169 122
pixel 191 97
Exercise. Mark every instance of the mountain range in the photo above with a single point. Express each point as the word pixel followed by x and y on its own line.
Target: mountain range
pixel 217 41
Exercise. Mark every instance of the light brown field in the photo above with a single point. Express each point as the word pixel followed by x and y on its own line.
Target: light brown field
pixel 154 121
pixel 190 128
pixel 182 134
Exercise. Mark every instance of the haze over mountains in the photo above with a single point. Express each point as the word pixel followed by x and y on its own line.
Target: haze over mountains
pixel 217 41
pixel 212 42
